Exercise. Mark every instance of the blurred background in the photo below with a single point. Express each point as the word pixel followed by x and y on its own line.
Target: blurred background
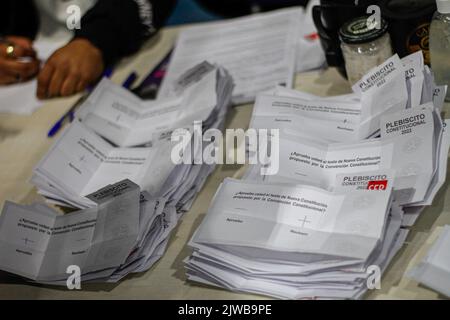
pixel 192 11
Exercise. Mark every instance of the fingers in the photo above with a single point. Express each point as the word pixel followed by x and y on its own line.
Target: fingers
pixel 69 86
pixel 23 47
pixel 54 88
pixel 55 82
pixel 21 41
pixel 44 78
pixel 19 70
pixel 7 79
pixel 19 52
pixel 82 85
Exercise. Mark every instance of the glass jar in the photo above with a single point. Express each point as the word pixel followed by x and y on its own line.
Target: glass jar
pixel 364 46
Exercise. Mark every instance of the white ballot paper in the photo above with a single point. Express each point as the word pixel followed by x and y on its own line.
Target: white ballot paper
pixel 383 89
pixel 440 92
pixel 300 223
pixel 309 243
pixel 417 135
pixel 290 256
pixel 40 245
pixel 124 119
pixel 409 145
pixel 414 65
pixel 434 270
pixel 259 51
pixel 329 120
pixel 346 118
pixel 81 162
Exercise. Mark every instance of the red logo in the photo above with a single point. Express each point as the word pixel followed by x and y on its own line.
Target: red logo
pixel 377 185
pixel 312 36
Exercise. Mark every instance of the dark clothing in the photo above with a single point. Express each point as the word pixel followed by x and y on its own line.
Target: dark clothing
pixel 116 27
pixel 237 8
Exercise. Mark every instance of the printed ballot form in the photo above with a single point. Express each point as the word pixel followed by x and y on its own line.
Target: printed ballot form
pixel 121 117
pixel 378 155
pixel 383 89
pixel 120 229
pixel 417 135
pixel 291 220
pixel 82 162
pixel 414 65
pixel 346 118
pixel 325 119
pixel 259 51
pixel 119 136
pixel 37 243
pixel 410 141
pixel 317 163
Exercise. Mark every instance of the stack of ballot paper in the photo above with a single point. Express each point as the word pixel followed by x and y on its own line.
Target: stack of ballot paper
pixel 294 241
pixel 38 243
pixel 121 137
pixel 353 172
pixel 434 270
pixel 131 195
pixel 351 117
pixel 408 119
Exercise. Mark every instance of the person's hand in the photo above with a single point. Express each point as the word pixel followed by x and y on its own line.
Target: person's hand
pixel 21 65
pixel 70 69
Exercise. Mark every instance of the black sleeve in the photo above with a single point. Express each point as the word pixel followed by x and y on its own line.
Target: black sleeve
pixel 119 27
pixel 19 18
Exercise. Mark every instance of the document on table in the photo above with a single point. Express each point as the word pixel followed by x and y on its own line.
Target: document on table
pixel 383 89
pixel 85 157
pixel 121 117
pixel 81 162
pixel 346 118
pixel 414 64
pixel 309 161
pixel 329 120
pixel 294 220
pixel 417 135
pixel 39 244
pixel 409 144
pixel 259 51
pixel 21 98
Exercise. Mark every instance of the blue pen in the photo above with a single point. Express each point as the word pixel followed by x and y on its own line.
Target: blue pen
pixel 130 80
pixel 71 113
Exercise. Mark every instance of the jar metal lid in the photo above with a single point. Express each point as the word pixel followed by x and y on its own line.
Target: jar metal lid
pixel 360 31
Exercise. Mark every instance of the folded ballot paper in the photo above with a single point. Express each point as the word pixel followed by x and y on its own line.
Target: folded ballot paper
pixel 124 119
pixel 410 144
pixel 353 173
pixel 130 197
pixel 39 244
pixel 434 270
pixel 97 151
pixel 293 241
pixel 125 227
pixel 389 87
